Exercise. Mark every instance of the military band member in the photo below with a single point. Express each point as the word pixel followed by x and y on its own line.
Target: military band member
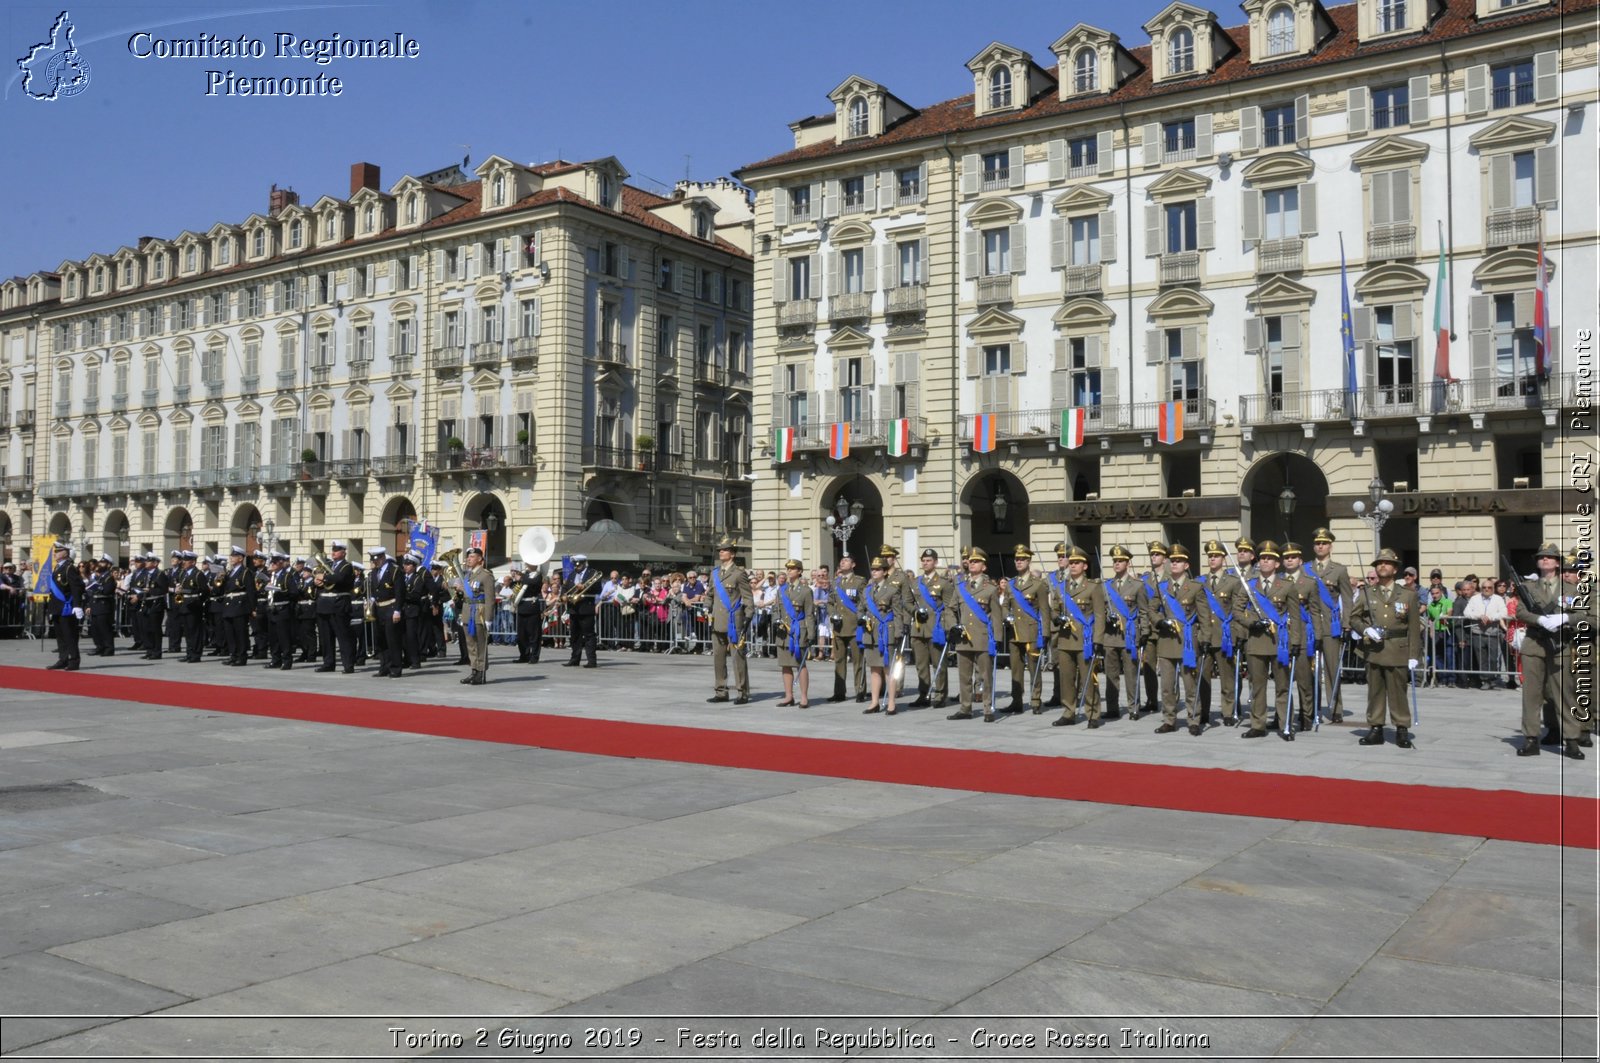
pixel 1183 624
pixel 1078 606
pixel 101 593
pixel 477 592
pixel 1314 620
pixel 1335 591
pixel 360 602
pixel 1388 618
pixel 931 620
pixel 882 624
pixel 305 613
pixel 795 627
pixel 278 605
pixel 848 586
pixel 334 589
pixel 1125 625
pixel 582 595
pixel 979 634
pixel 238 592
pixel 387 591
pixel 174 628
pixel 1152 580
pixel 190 599
pixel 260 563
pixel 1268 614
pixel 154 594
pixel 216 627
pixel 530 615
pixel 68 608
pixel 1553 618
pixel 1220 656
pixel 733 605
pixel 417 607
pixel 1029 603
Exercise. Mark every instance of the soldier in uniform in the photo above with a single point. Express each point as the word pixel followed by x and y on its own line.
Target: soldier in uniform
pixel 1219 655
pixel 334 589
pixel 417 594
pixel 1553 620
pixel 387 591
pixel 1314 620
pixel 581 598
pixel 882 624
pixel 259 565
pixel 1335 591
pixel 1152 580
pixel 305 613
pixel 794 622
pixel 101 590
pixel 217 629
pixel 1030 601
pixel 847 589
pixel 283 591
pixel 238 602
pixel 979 634
pixel 1388 617
pixel 189 597
pixel 1267 612
pixel 1182 627
pixel 1244 559
pixel 1078 606
pixel 451 607
pixel 477 591
pixel 1057 581
pixel 1124 633
pixel 733 606
pixel 69 609
pixel 933 597
pixel 153 597
pixel 530 615
pixel 174 628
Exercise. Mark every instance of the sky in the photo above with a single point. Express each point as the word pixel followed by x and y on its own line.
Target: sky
pixel 692 88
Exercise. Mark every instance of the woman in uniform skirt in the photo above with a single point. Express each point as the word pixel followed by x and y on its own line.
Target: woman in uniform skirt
pixel 794 624
pixel 879 635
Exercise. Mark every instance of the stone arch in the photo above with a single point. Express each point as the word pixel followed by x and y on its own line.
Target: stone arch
pixel 178 530
pixel 1265 482
pixel 867 535
pixel 993 512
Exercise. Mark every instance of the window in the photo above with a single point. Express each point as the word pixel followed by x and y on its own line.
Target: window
pixel 1085 388
pixel 405 337
pixel 288 350
pixel 795 378
pixel 490 251
pixel 909 181
pixel 702 225
pixel 1522 180
pixel 1183 373
pixel 182 369
pixel 909 254
pixel 290 295
pixel 738 354
pixel 611 260
pixel 363 344
pixel 853 392
pixel 499 190
pixel 224 252
pixel 411 208
pixel 329 228
pixel 1177 139
pixel 1278 125
pixel 853 265
pixel 855 194
pixel 91 456
pixel 666 337
pixel 1083 154
pixel 452 263
pixel 800 202
pixel 127 274
pixel 402 273
pixel 702 344
pixel 252 360
pixel 997 359
pixel 1512 84
pixel 1181 232
pixel 1280 30
pixel 999 87
pixel 295 233
pixel 1515 353
pixel 1391 15
pixel 252 301
pixel 1282 210
pixel 528 317
pixel 99 278
pixel 800 278
pixel 325 287
pixel 1180 51
pixel 152 322
pixel 996 252
pixel 996 169
pixel 1274 331
pixel 1390 106
pixel 1085 71
pixel 369 217
pixel 217 311
pixel 858 118
pixel 152 374
pixel 147 451
pixel 664 275
pixel 158 267
pixel 1084 240
pixel 705 285
pixel 121 330
pixel 489 324
pixel 324 350
pixel 185 313
pixel 453 336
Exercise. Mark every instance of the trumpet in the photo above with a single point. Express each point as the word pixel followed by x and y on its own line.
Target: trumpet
pixel 583 588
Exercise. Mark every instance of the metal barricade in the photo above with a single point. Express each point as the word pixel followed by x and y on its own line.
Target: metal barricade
pixel 13 614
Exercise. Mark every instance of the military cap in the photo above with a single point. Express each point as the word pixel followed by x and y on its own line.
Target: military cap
pixel 237 551
pixel 277 556
pixel 1156 546
pixel 63 546
pixel 1243 543
pixel 1061 549
pixel 1120 553
pixel 479 551
pixel 1269 548
pixel 888 551
pixel 1076 553
pixel 1322 535
pixel 726 543
pixel 576 558
pixel 411 558
pixel 1548 550
pixel 1387 556
pixel 437 564
pixel 976 554
pixel 105 559
pixel 1179 552
pixel 377 551
pixel 879 565
pixel 1292 549
pixel 178 554
pixel 260 555
pixel 794 562
pixel 189 555
pixel 1022 553
pixel 358 566
pixel 1214 548
pixel 337 544
pixel 930 552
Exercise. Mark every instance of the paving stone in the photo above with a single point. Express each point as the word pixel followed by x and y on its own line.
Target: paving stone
pixel 1168 831
pixel 76 911
pixel 1360 879
pixel 85 859
pixel 1402 841
pixel 260 830
pixel 669 798
pixel 37 983
pixel 739 989
pixel 1509 932
pixel 500 829
pixel 1548 871
pixel 1053 871
pixel 951 829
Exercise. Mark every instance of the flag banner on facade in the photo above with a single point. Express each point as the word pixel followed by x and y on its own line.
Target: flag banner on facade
pixel 983 431
pixel 478 540
pixel 899 437
pixel 1169 422
pixel 1347 330
pixel 783 444
pixel 839 441
pixel 423 541
pixel 1541 312
pixel 1072 427
pixel 1441 316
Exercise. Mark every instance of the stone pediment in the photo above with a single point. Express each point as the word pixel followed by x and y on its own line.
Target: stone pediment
pixel 1280 292
pixel 850 337
pixel 1390 151
pixel 1180 302
pixel 285 404
pixel 996 52
pixel 1508 134
pixel 399 392
pixel 1178 11
pixel 247 409
pixel 992 211
pixel 850 233
pixel 356 395
pixel 485 381
pixel 1081 34
pixel 995 321
pixel 854 85
pixel 1279 169
pixel 1511 269
pixel 1389 280
pixel 1082 314
pixel 1179 184
pixel 1082 199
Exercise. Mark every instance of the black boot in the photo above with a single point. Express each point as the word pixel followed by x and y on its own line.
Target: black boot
pixel 1573 750
pixel 1373 737
pixel 1402 738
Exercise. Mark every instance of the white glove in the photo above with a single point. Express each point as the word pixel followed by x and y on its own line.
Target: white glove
pixel 78 614
pixel 1412 664
pixel 1374 634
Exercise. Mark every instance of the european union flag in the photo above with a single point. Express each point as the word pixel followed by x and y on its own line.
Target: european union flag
pixel 1347 331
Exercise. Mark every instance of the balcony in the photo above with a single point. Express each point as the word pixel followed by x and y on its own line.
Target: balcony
pixel 480 459
pixel 402 365
pixel 854 204
pixel 16 484
pixel 801 313
pixel 119 402
pixel 214 389
pixel 994 291
pixel 1280 256
pixel 911 299
pixel 850 306
pixel 486 354
pixel 1019 424
pixel 996 179
pixel 598 457
pixel 1510 228
pixel 609 352
pixel 710 372
pixel 348 470
pixel 393 466
pixel 151 484
pixel 1180 267
pixel 288 379
pixel 180 394
pixel 1295 407
pixel 64 408
pixel 150 398
pixel 1528 392
pixel 1391 241
pixel 525 351
pixel 250 385
pixel 1082 280
pixel 313 474
pixel 279 474
pixel 25 420
pixel 447 359
pixel 91 405
pixel 361 372
pixel 1139 418
pixel 215 480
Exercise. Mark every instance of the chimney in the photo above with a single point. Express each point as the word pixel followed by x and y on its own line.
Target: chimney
pixel 363 175
pixel 279 198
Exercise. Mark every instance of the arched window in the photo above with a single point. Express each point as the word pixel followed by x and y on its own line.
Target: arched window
pixel 858 117
pixel 1180 51
pixel 371 217
pixel 1280 30
pixel 499 189
pixel 411 208
pixel 1085 71
pixel 294 233
pixel 1000 87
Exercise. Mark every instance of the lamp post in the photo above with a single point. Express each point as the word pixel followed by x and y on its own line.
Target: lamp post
pixel 271 529
pixel 843 520
pixel 1376 515
pixel 1286 501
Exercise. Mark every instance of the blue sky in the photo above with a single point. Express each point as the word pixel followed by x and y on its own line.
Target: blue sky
pixel 142 150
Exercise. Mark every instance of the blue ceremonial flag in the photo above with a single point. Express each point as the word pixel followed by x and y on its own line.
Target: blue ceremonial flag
pixel 567 568
pixel 1347 331
pixel 424 541
pixel 47 583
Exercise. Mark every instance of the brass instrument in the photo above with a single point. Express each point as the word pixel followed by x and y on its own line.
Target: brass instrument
pixel 451 560
pixel 324 569
pixel 583 588
pixel 535 546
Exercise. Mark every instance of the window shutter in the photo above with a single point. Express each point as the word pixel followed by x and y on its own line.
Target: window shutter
pixel 1400 198
pixel 1205 212
pixel 888 190
pixel 922 182
pixel 1291 358
pixel 1091 351
pixel 1361 325
pixel 869 191
pixel 1152 143
pixel 1546 175
pixel 1290 323
pixel 1152 229
pixel 1108 236
pixel 1152 347
pixel 1480 318
pixel 1254 336
pixel 1302 121
pixel 1417 90
pixel 816 276
pixel 869 268
pixel 1058 242
pixel 1190 341
pixel 1014 166
pixel 1308 210
pixel 780 206
pixel 1249 128
pixel 1019 358
pixel 922 259
pixel 830 406
pixel 1105 153
pixel 1358 110
pixel 889 267
pixel 969 255
pixel 1478 90
pixel 908 374
pixel 1202 136
pixel 869 370
pixel 969 175
pixel 830 198
pixel 1522 310
pixel 816 199
pixel 1060 389
pixel 1019 248
pixel 1546 79
pixel 1500 182
pixel 683 277
pixel 1056 153
pixel 1108 387
pixel 1250 216
pixel 833 273
pixel 1062 349
pixel 974 361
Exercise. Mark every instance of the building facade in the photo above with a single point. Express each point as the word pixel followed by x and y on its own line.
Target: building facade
pixel 1124 227
pixel 520 346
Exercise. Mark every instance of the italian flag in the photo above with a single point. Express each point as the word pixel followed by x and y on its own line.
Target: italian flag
pixel 1072 427
pixel 1169 422
pixel 783 444
pixel 1541 312
pixel 899 437
pixel 1441 316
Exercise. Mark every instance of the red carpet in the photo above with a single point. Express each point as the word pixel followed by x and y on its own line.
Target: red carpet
pixel 1505 814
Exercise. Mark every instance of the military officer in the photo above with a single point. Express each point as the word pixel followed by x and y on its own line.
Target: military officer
pixel 848 586
pixel 174 629
pixel 305 613
pixel 417 606
pixel 260 564
pixel 1314 620
pixel 1057 581
pixel 101 591
pixel 733 606
pixel 880 630
pixel 934 595
pixel 217 628
pixel 360 602
pixel 477 591
pixel 1220 657
pixel 334 589
pixel 153 597
pixel 238 602
pixel 979 635
pixel 1266 611
pixel 795 627
pixel 387 591
pixel 1125 625
pixel 1244 559
pixel 189 599
pixel 278 605
pixel 1182 627
pixel 530 615
pixel 1553 619
pixel 1029 601
pixel 1152 580
pixel 1335 592
pixel 1388 617
pixel 1078 605
pixel 68 608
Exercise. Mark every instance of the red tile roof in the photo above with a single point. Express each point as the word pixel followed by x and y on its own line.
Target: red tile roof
pixel 1458 20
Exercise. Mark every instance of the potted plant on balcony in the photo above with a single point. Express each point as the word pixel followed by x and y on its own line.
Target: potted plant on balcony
pixel 647 445
pixel 455 451
pixel 308 462
pixel 524 447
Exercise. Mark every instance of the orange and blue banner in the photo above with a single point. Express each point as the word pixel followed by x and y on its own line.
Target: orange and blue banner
pixel 839 441
pixel 1169 422
pixel 983 432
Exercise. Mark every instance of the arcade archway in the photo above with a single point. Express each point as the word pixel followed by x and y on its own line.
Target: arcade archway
pixel 1263 499
pixel 178 532
pixel 867 535
pixel 994 512
pixel 398 515
pixel 486 513
pixel 114 537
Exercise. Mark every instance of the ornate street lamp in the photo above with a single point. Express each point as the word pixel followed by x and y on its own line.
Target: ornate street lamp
pixel 843 521
pixel 1377 515
pixel 1286 501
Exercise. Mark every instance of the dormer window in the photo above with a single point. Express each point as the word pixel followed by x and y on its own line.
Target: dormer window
pixel 127 274
pixel 499 198
pixel 1180 51
pixel 605 190
pixel 190 258
pixel 1085 71
pixel 411 208
pixel 702 225
pixel 99 278
pixel 328 228
pixel 158 267
pixel 258 243
pixel 1391 16
pixel 1280 31
pixel 857 125
pixel 295 234
pixel 999 88
pixel 369 217
pixel 224 252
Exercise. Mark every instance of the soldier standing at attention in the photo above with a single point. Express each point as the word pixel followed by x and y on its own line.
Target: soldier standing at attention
pixel 333 589
pixel 1547 674
pixel 283 592
pixel 388 611
pixel 931 620
pixel 1314 625
pixel 795 625
pixel 101 591
pixel 1333 587
pixel 174 615
pixel 1057 581
pixel 238 602
pixel 732 607
pixel 1266 610
pixel 69 609
pixel 1030 597
pixel 1124 632
pixel 1079 606
pixel 1244 559
pixel 582 599
pixel 1183 627
pixel 847 590
pixel 879 635
pixel 1388 618
pixel 189 599
pixel 1219 659
pixel 979 635
pixel 530 616
pixel 153 605
pixel 1152 581
pixel 477 591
